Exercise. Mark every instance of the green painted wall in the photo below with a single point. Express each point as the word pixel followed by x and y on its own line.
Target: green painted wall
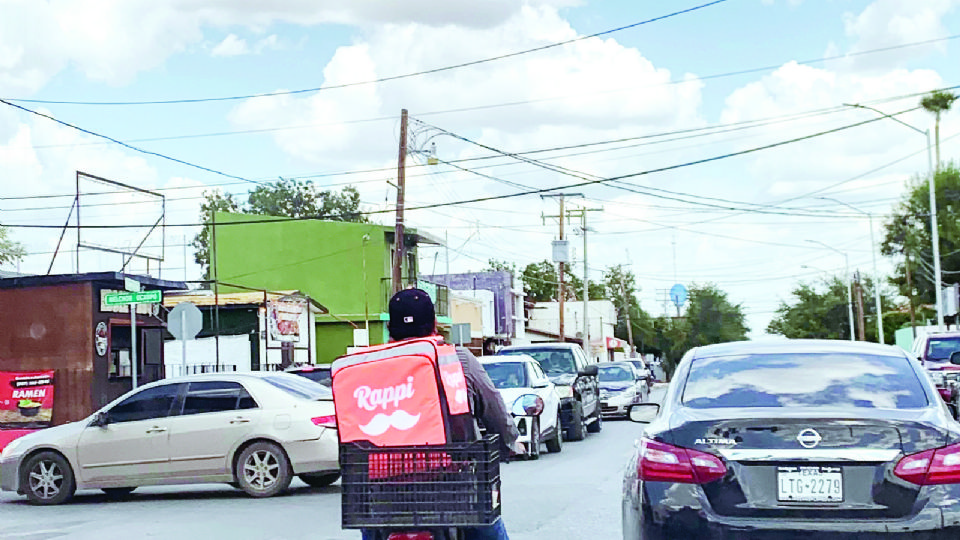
pixel 334 338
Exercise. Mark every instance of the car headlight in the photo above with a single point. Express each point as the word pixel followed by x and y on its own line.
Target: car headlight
pixel 564 391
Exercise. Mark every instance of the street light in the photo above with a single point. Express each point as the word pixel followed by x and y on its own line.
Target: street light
pixel 934 232
pixel 846 265
pixel 876 275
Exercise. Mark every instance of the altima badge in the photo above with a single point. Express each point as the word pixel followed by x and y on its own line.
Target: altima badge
pixel 809 438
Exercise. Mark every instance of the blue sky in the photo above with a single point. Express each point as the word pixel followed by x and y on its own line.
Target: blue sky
pixel 599 89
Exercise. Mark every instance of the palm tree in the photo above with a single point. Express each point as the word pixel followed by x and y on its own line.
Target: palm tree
pixel 938 102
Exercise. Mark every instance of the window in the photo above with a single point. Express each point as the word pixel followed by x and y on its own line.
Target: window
pixel 803 380
pixel 153 402
pixel 507 374
pixel 615 374
pixel 216 396
pixel 940 348
pixel 299 386
pixel 553 361
pixel 537 372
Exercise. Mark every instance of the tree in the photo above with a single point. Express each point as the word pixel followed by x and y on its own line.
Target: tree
pixel 620 284
pixel 819 311
pixel 284 198
pixel 937 103
pixel 10 251
pixel 908 235
pixel 495 265
pixel 540 280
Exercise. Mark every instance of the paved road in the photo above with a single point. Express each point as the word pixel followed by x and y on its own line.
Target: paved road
pixel 566 496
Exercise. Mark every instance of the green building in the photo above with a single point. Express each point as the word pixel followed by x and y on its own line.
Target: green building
pixel 345 266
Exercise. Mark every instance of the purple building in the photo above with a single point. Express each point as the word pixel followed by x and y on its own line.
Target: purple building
pixel 506 297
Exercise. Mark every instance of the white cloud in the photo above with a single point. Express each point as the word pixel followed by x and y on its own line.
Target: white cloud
pixel 231 46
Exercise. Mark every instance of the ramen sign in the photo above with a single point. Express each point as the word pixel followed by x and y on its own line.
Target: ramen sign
pixel 283 317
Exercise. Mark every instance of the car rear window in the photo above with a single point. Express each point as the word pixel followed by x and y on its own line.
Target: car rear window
pixel 299 386
pixel 552 361
pixel 507 374
pixel 803 380
pixel 940 348
pixel 614 374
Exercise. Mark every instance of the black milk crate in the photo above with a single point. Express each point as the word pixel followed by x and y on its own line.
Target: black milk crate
pixel 448 485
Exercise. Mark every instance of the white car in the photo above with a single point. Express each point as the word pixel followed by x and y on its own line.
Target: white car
pixel 254 431
pixel 531 398
pixel 621 386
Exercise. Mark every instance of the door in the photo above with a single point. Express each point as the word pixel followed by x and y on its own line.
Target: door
pixel 216 416
pixel 551 401
pixel 588 387
pixel 133 446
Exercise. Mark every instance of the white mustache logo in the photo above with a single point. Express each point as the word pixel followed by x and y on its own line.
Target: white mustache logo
pixel 400 420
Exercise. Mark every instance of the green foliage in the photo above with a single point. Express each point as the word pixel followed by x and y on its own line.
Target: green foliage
pixel 284 198
pixel 938 101
pixel 540 280
pixel 495 265
pixel 10 251
pixel 620 285
pixel 908 234
pixel 819 311
pixel 710 318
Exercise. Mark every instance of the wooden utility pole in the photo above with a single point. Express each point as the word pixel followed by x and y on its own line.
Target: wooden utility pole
pixel 398 241
pixel 563 217
pixel 913 317
pixel 861 330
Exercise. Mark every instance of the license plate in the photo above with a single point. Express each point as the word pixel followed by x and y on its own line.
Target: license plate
pixel 809 484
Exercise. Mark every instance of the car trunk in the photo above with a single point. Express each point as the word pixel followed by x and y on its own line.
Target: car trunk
pixel 808 465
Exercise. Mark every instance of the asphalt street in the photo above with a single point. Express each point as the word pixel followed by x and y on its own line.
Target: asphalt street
pixel 567 496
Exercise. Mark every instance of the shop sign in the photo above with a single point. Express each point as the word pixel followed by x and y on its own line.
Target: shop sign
pixel 26 399
pixel 100 337
pixel 283 317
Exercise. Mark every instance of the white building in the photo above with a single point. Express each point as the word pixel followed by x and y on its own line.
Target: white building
pixel 544 325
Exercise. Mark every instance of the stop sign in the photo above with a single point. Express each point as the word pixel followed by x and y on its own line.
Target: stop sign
pixel 185 321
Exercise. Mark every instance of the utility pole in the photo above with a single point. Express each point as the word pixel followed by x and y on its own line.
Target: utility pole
pixel 563 257
pixel 399 247
pixel 626 300
pixel 582 214
pixel 913 317
pixel 861 331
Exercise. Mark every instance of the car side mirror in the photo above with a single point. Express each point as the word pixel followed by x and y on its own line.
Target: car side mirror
pixel 589 370
pixel 101 419
pixel 542 383
pixel 955 357
pixel 643 413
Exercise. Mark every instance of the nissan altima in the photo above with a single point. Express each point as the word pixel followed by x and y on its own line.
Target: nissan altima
pixel 795 439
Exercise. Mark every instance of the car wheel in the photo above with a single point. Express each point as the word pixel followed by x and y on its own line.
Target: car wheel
pixel 555 444
pixel 576 432
pixel 118 492
pixel 533 452
pixel 320 479
pixel 597 425
pixel 47 478
pixel 263 470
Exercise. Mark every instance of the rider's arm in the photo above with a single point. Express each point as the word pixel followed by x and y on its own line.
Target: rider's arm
pixel 493 413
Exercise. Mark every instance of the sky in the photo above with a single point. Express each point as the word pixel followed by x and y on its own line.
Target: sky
pixel 674 120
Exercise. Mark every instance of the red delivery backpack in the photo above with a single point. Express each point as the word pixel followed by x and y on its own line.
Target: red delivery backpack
pixel 404 393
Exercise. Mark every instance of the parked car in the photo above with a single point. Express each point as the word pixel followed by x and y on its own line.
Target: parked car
pixel 317 373
pixel 933 351
pixel 621 386
pixel 575 379
pixel 531 398
pixel 252 430
pixel 643 370
pixel 795 439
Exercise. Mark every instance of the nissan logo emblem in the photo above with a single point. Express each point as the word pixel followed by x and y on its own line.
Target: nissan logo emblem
pixel 809 438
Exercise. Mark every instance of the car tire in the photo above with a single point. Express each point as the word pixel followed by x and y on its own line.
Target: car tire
pixel 117 493
pixel 533 452
pixel 597 424
pixel 263 470
pixel 576 430
pixel 47 479
pixel 555 444
pixel 319 480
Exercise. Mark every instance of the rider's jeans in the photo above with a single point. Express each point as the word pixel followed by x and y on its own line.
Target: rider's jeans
pixel 496 531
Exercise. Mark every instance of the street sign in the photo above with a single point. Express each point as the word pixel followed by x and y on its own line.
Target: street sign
pixel 678 295
pixel 185 321
pixel 460 333
pixel 131 285
pixel 145 297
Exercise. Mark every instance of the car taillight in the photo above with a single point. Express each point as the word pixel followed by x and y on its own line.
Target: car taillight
pixel 325 421
pixel 661 462
pixel 421 535
pixel 931 467
pixel 946 393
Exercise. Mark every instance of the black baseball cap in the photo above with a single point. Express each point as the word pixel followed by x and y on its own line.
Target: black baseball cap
pixel 411 314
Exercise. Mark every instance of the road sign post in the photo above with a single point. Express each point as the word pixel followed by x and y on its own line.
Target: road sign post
pixel 133 298
pixel 184 321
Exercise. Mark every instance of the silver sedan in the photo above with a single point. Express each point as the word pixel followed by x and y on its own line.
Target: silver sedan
pixel 254 431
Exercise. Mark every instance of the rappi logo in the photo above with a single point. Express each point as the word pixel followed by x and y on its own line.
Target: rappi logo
pixel 371 399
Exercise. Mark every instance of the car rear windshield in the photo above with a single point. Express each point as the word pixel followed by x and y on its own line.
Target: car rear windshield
pixel 940 348
pixel 614 374
pixel 552 361
pixel 803 380
pixel 299 386
pixel 507 374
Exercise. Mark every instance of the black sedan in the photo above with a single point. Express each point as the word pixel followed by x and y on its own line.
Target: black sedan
pixel 795 439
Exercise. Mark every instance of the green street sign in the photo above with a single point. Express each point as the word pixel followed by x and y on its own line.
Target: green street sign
pixel 124 298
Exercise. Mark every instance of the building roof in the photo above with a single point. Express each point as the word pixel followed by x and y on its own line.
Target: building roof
pixel 246 298
pixel 60 279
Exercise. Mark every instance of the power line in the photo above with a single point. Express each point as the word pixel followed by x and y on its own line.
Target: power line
pixel 381 79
